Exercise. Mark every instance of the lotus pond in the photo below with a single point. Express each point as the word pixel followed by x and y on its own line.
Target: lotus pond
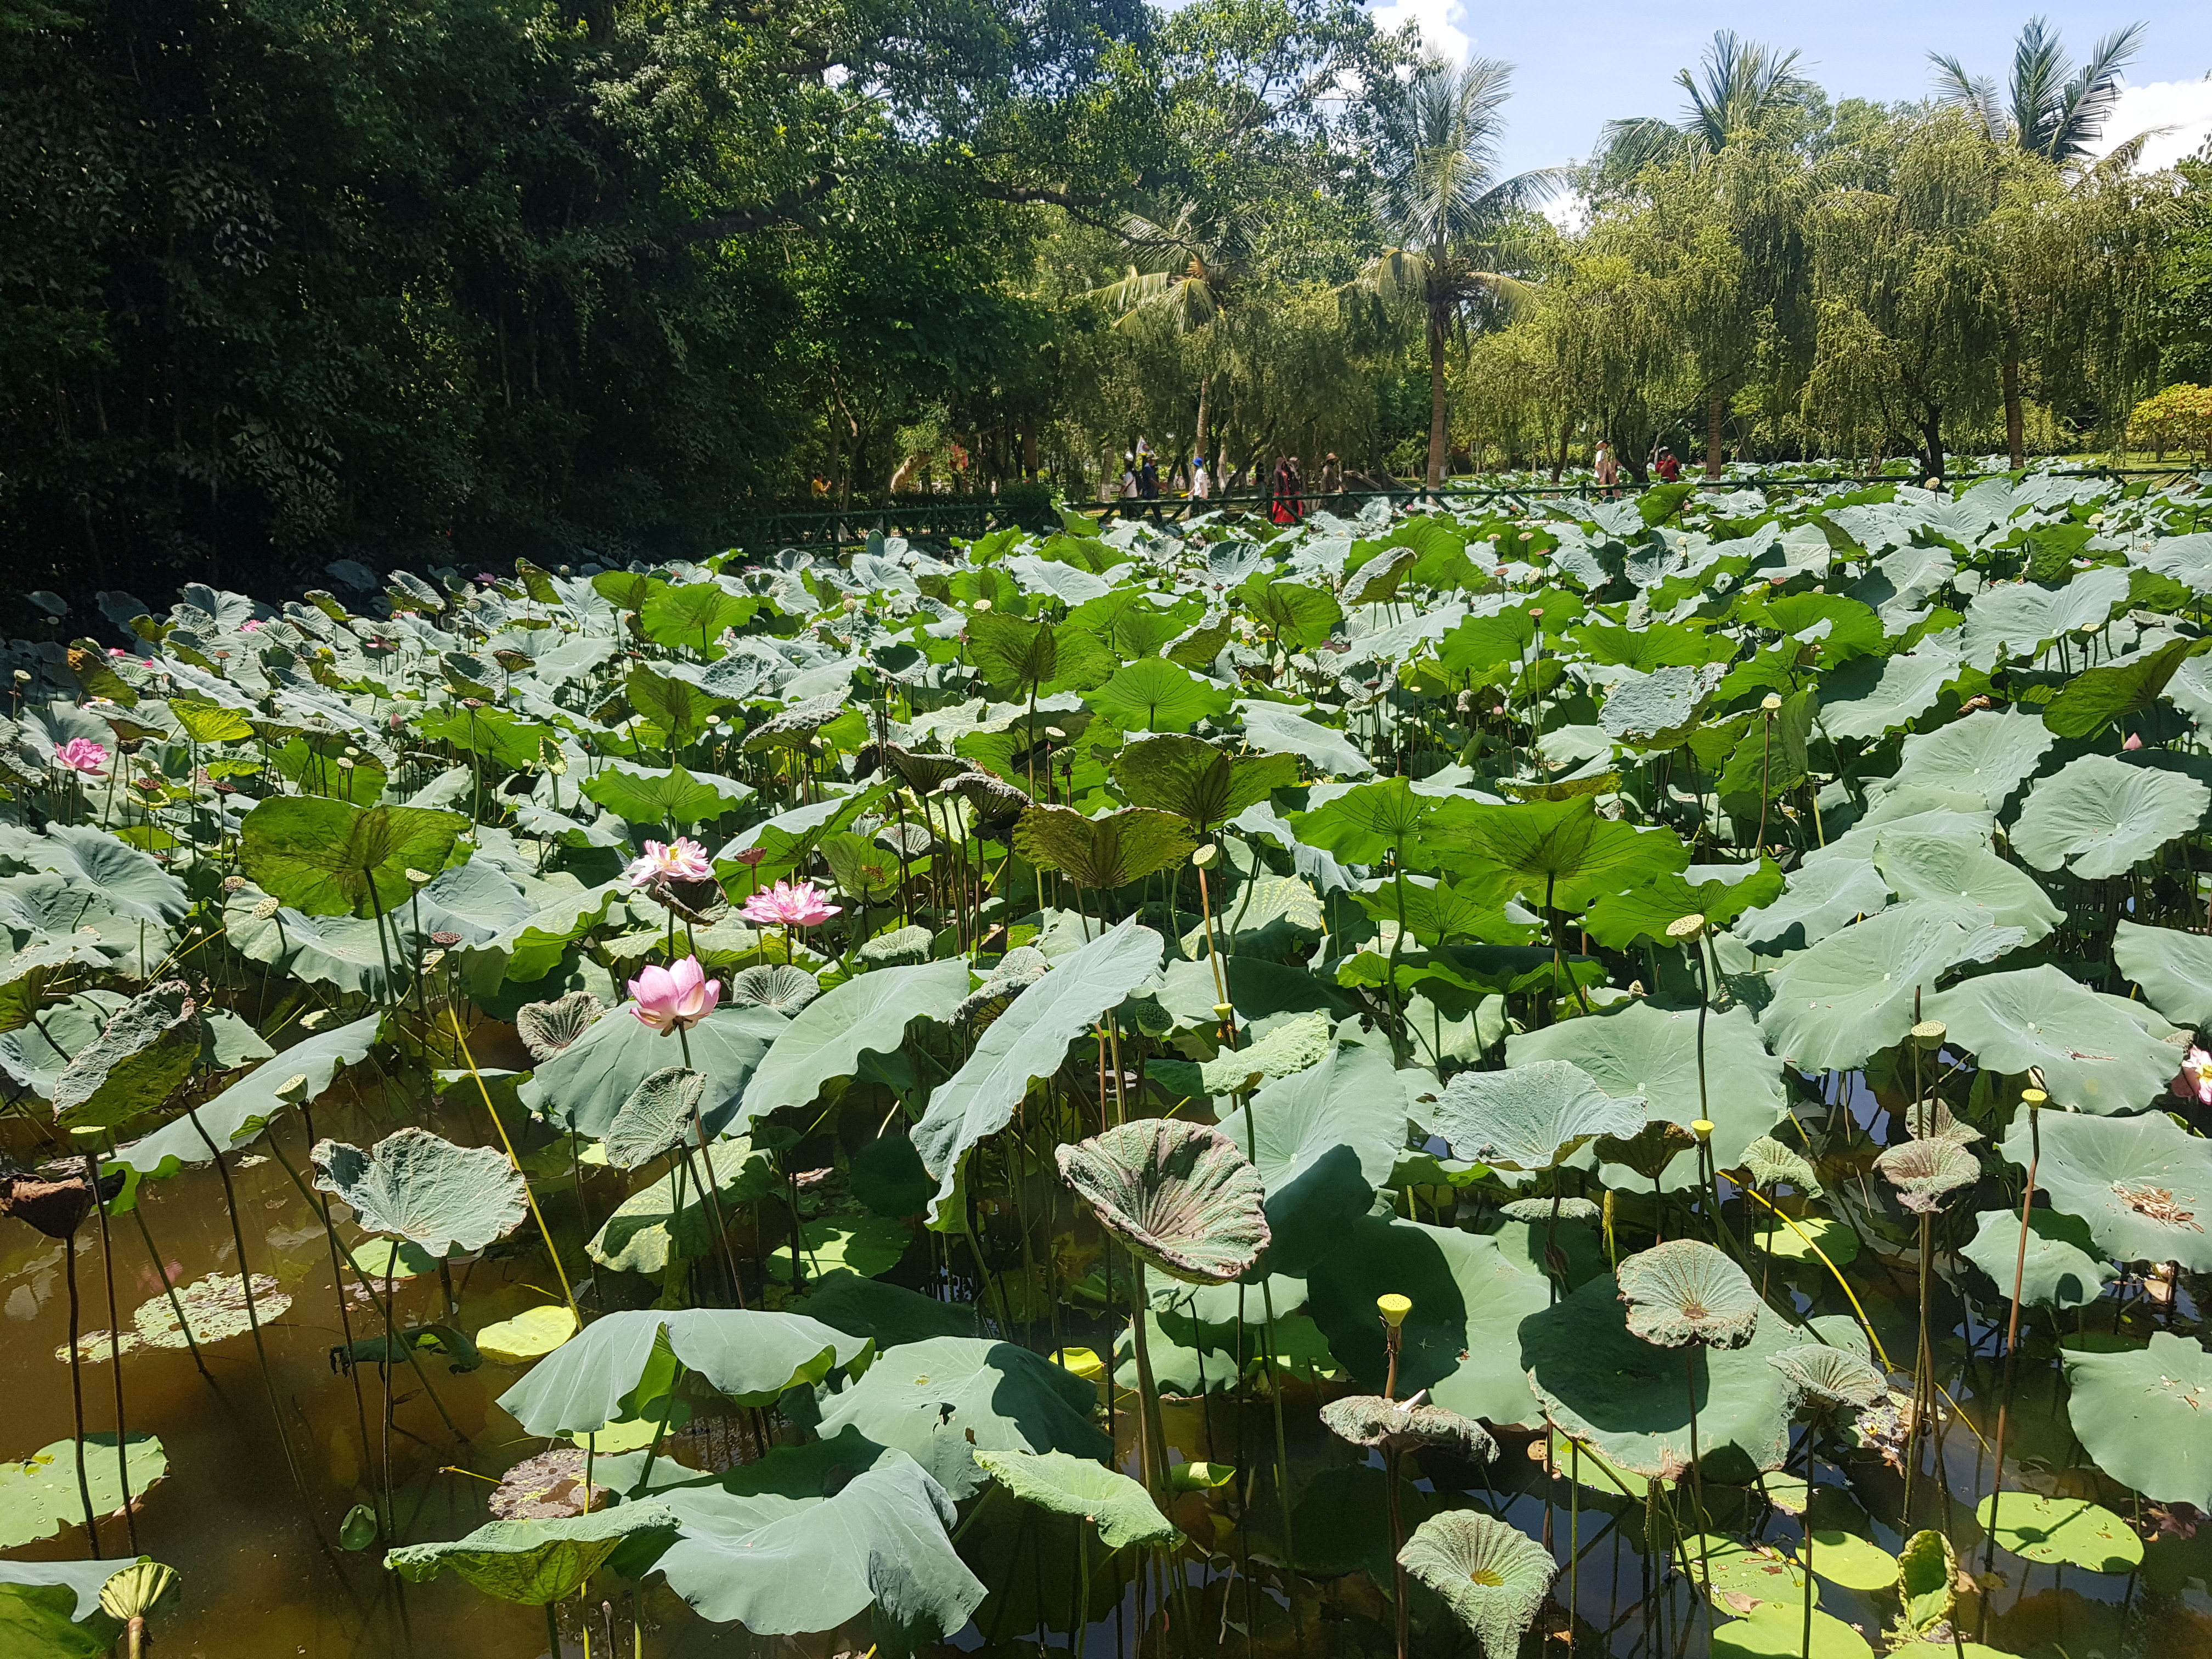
pixel 1628 1078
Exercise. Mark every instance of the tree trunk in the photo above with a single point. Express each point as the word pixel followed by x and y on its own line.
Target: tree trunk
pixel 1438 321
pixel 2015 445
pixel 1931 438
pixel 1028 447
pixel 1716 410
pixel 1559 461
pixel 1205 413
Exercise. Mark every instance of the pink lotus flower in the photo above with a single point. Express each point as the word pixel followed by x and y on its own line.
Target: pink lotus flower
pixel 787 906
pixel 2194 1081
pixel 681 860
pixel 252 625
pixel 82 755
pixel 675 999
pixel 2134 742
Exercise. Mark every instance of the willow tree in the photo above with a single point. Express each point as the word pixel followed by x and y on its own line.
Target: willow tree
pixel 1603 324
pixel 1448 215
pixel 1905 284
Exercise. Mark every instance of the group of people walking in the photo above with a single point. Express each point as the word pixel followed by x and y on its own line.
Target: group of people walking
pixel 1285 497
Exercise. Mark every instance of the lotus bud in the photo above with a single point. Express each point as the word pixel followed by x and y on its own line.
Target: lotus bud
pixel 1393 1309
pixel 1771 703
pixel 294 1089
pixel 1702 1129
pixel 1207 856
pixel 1928 1035
pixel 1683 929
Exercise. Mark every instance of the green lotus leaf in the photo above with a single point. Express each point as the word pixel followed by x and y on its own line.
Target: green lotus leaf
pixel 1180 1195
pixel 58 1610
pixel 890 1314
pixel 2141 1412
pixel 1342 1520
pixel 1636 1049
pixel 653 798
pixel 2143 1184
pixel 1925 1172
pixel 129 880
pixel 1529 1117
pixel 2095 697
pixel 1853 994
pixel 1491 1575
pixel 343 952
pixel 39 1496
pixel 584 1086
pixel 1718 892
pixel 810 1536
pixel 143 1052
pixel 1961 869
pixel 2072 1530
pixel 694 614
pixel 326 858
pixel 1369 1419
pixel 1561 853
pixel 1296 615
pixel 1926 1569
pixel 1831 1378
pixel 866 1015
pixel 547 1028
pixel 1029 1040
pixel 1122 1510
pixel 1322 1141
pixel 1276 727
pixel 943 1399
pixel 2064 1268
pixel 655 1119
pixel 533 1562
pixel 1287 1049
pixel 1775 1631
pixel 2021 618
pixel 1654 710
pixel 2173 968
pixel 1459 1342
pixel 1868 696
pixel 651 1225
pixel 1630 1399
pixel 1687 1291
pixel 1768 1162
pixel 2092 1055
pixel 422 1187
pixel 1844 1557
pixel 215 1307
pixel 1155 695
pixel 2097 815
pixel 863 1244
pixel 1367 821
pixel 1822 896
pixel 1197 780
pixel 1111 850
pixel 1757 1574
pixel 1990 753
pixel 622 1363
pixel 1016 655
pixel 530 1334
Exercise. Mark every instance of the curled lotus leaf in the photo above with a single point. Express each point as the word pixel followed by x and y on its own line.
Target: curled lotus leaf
pixel 422 1187
pixel 1122 1510
pixel 53 1201
pixel 535 1563
pixel 653 1120
pixel 782 988
pixel 1927 1571
pixel 1831 1378
pixel 1767 1161
pixel 1926 1172
pixel 1369 1419
pixel 1019 969
pixel 547 1028
pixel 1931 1120
pixel 1649 1149
pixel 1684 1290
pixel 547 1488
pixel 1542 1210
pixel 1492 1576
pixel 1179 1194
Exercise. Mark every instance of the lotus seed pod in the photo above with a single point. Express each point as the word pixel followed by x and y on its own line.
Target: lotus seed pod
pixel 418 877
pixel 292 1089
pixel 1683 929
pixel 1770 702
pixel 1393 1309
pixel 1929 1034
pixel 1702 1129
pixel 979 606
pixel 1207 856
pixel 2033 1097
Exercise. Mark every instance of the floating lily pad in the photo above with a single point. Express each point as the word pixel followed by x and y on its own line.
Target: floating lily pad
pixel 2145 1415
pixel 39 1496
pixel 529 1335
pixel 2072 1530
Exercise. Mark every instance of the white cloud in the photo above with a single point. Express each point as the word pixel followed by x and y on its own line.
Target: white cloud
pixel 1439 20
pixel 2184 105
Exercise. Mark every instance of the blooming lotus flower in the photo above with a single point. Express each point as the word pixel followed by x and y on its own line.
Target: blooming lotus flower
pixel 252 625
pixel 675 999
pixel 2194 1083
pixel 681 860
pixel 82 755
pixel 2134 742
pixel 785 905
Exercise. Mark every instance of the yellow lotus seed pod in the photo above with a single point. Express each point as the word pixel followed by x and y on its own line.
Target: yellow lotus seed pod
pixel 1685 928
pixel 1929 1034
pixel 1393 1309
pixel 2034 1097
pixel 981 605
pixel 1702 1129
pixel 1207 857
pixel 1770 702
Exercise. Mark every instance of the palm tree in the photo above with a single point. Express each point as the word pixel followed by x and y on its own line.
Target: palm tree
pixel 1440 201
pixel 2048 108
pixel 1196 270
pixel 1742 87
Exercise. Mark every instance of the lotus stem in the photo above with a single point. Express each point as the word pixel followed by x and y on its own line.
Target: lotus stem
pixel 2033 1100
pixel 76 1396
pixel 1154 1460
pixel 536 1214
pixel 169 1287
pixel 1698 1476
pixel 114 1345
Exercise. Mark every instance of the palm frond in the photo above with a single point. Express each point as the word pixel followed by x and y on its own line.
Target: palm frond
pixel 2085 104
pixel 1975 93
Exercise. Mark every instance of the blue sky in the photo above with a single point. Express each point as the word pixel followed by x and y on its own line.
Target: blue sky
pixel 1579 64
